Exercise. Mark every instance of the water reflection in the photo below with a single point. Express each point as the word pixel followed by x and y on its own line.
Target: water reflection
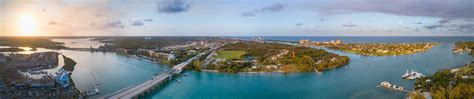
pixel 79 42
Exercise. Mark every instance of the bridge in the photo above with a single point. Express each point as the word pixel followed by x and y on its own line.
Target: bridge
pixel 90 49
pixel 135 91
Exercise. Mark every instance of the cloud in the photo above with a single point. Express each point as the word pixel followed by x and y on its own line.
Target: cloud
pixel 443 21
pixel 417 30
pixel 140 22
pixel 465 28
pixel 433 26
pixel 115 24
pixel 299 24
pixel 271 8
pixel 349 25
pixel 137 23
pixel 323 19
pixel 173 6
pixel 426 8
pixel 52 23
pixel 148 20
pixel 418 23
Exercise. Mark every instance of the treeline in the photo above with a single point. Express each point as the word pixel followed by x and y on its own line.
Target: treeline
pixel 148 42
pixel 68 64
pixel 446 84
pixel 11 49
pixel 297 58
pixel 465 45
pixel 306 59
pixel 30 42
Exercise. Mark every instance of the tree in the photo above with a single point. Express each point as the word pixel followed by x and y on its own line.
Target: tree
pixel 438 93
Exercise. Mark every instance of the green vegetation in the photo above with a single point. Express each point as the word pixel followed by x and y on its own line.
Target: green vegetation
pixel 11 50
pixel 383 49
pixel 68 64
pixel 181 55
pixel 151 43
pixel 416 95
pixel 30 42
pixel 462 46
pixel 230 54
pixel 273 57
pixel 452 84
pixel 195 65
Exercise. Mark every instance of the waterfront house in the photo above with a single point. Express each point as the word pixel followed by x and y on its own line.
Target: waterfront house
pixel 62 78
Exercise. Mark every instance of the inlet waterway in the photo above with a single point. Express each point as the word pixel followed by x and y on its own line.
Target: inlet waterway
pixel 356 80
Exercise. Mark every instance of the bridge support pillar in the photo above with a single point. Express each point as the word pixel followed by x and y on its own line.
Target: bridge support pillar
pixel 171 77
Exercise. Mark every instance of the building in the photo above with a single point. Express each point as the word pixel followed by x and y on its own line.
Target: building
pixel 163 56
pixel 337 42
pixel 304 41
pixel 62 78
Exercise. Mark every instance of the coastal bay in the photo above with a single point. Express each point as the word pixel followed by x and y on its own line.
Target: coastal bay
pixel 355 80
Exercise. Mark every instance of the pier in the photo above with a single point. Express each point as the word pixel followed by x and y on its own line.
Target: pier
pixel 136 90
pixel 389 86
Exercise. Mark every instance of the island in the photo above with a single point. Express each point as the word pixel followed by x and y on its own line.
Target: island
pixel 456 83
pixel 460 47
pixel 269 57
pixel 373 49
pixel 14 49
pixel 32 42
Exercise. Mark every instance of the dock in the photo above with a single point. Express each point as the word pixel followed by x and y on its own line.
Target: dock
pixel 387 85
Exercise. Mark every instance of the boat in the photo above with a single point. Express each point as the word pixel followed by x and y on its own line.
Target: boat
pixel 406 74
pixel 387 85
pixel 96 82
pixel 412 75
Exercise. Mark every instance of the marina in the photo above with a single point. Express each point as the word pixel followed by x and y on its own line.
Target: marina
pixel 387 85
pixel 412 75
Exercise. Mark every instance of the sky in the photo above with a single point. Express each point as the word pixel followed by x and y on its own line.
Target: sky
pixel 236 17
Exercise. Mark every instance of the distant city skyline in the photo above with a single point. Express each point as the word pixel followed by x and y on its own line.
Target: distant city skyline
pixel 237 18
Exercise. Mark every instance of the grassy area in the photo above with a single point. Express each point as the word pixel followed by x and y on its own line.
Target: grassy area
pixel 230 55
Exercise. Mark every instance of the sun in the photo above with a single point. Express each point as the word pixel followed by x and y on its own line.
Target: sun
pixel 27 25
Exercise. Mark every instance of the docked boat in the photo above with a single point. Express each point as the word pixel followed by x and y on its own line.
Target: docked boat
pixel 412 75
pixel 387 85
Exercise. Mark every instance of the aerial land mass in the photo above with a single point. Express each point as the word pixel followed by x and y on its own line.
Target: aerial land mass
pixel 464 46
pixel 374 49
pixel 32 42
pixel 457 83
pixel 271 57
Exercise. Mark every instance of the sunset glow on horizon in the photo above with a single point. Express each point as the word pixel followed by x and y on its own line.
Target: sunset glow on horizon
pixel 27 25
pixel 236 18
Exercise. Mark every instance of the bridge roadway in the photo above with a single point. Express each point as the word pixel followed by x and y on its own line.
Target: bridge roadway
pixel 135 91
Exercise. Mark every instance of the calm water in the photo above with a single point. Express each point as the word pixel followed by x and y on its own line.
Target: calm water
pixel 79 43
pixel 114 71
pixel 356 80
